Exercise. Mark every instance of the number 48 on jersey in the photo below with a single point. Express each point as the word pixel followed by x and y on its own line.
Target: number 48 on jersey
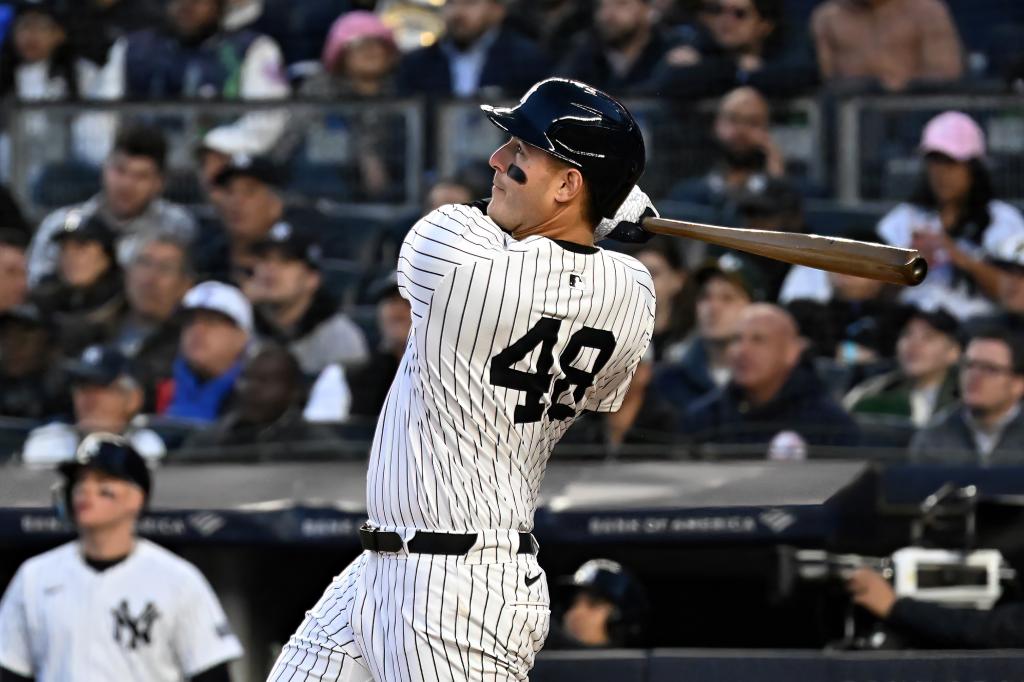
pixel 536 384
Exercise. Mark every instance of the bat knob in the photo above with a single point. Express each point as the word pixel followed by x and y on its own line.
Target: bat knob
pixel 918 270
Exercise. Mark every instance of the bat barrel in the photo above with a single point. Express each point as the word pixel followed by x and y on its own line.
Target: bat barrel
pixel 918 270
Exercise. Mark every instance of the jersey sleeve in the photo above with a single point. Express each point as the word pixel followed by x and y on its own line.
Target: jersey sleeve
pixel 203 637
pixel 441 241
pixel 612 386
pixel 15 645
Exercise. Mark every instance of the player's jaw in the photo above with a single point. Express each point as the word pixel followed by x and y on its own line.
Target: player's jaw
pixel 520 195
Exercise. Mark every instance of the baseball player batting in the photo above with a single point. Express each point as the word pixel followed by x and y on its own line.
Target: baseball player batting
pixel 519 324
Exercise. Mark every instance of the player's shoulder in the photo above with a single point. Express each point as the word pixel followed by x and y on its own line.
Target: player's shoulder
pixel 631 267
pixel 461 217
pixel 52 562
pixel 158 559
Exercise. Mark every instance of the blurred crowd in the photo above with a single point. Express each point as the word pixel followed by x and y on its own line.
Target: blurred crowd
pixel 228 321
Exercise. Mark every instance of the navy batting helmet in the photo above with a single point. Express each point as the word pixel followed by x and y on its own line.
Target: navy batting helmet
pixel 608 580
pixel 584 127
pixel 107 452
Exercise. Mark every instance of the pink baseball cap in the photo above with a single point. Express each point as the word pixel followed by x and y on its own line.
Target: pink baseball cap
pixel 351 27
pixel 954 134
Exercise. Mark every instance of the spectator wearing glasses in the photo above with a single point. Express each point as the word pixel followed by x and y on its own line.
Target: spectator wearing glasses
pixel 737 42
pixel 986 427
pixel 953 219
pixel 148 332
pixel 891 42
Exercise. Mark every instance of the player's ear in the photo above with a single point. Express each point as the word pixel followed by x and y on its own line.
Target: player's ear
pixel 571 185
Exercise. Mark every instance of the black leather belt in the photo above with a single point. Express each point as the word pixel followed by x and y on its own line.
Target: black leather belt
pixel 430 543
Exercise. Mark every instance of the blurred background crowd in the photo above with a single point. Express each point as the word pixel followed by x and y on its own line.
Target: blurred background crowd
pixel 203 203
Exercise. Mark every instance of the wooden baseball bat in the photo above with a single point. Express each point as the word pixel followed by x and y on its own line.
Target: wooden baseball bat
pixel 850 257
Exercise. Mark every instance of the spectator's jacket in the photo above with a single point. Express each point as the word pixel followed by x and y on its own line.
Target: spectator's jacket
pixel 190 397
pixel 322 337
pixel 681 384
pixel 39 396
pixel 153 358
pixel 82 316
pixel 802 405
pixel 934 626
pixel 949 440
pixel 370 383
pixel 159 66
pixel 589 63
pixel 889 394
pixel 513 64
pixel 160 217
pixel 288 429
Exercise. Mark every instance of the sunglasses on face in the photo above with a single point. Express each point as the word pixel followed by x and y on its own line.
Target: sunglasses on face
pixel 716 10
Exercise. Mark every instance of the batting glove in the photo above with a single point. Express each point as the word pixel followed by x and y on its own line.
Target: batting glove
pixel 626 225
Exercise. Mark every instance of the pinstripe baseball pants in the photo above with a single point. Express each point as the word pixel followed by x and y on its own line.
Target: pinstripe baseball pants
pixel 397 617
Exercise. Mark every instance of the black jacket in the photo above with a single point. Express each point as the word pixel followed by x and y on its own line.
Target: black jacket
pixel 935 626
pixel 588 63
pixel 689 380
pixel 513 64
pixel 802 405
pixel 83 316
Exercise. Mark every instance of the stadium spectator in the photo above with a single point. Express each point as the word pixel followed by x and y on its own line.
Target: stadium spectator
pixel 745 152
pixel 987 426
pixel 133 179
pixel 293 306
pixel 11 217
pixel 476 53
pixel 928 625
pixel 253 202
pixel 267 409
pixel 13 271
pixel 608 608
pixel 85 297
pixel 217 329
pixel 673 317
pixel 359 59
pixel 925 382
pixel 106 398
pixel 1009 259
pixel 134 610
pixel 891 42
pixel 95 25
pixel 34 386
pixel 736 43
pixel 772 396
pixel 369 384
pixel 725 287
pixel 38 61
pixel 149 330
pixel 953 219
pixel 621 50
pixel 551 22
pixel 192 56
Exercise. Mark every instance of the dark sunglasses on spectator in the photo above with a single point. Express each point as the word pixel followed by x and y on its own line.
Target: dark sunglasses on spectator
pixel 987 368
pixel 715 9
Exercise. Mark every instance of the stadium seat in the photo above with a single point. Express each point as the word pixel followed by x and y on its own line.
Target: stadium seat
pixel 13 433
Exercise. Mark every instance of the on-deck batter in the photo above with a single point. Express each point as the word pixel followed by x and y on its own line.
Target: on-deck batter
pixel 519 324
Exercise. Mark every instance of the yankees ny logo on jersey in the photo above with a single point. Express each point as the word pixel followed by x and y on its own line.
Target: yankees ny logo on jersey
pixel 136 630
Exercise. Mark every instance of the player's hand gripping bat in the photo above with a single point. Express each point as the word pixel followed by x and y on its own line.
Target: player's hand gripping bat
pixel 850 257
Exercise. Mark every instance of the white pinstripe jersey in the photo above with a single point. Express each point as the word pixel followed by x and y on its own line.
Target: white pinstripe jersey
pixel 510 341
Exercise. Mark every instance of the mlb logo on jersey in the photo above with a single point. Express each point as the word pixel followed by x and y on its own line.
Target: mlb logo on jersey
pixel 576 281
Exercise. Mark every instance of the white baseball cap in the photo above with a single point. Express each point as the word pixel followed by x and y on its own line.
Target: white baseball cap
pixel 221 298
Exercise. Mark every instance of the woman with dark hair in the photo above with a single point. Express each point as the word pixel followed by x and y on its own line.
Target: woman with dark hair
pixel 37 61
pixel 953 219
